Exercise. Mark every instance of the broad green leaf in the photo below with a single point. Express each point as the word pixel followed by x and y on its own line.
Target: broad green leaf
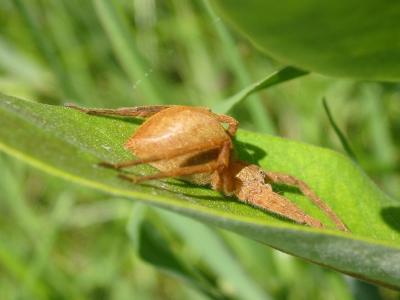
pixel 277 77
pixel 69 144
pixel 352 38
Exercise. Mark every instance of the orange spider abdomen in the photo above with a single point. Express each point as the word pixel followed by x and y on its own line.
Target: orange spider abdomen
pixel 177 129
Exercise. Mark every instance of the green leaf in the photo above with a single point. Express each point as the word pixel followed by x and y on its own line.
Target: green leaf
pixel 69 144
pixel 339 38
pixel 277 77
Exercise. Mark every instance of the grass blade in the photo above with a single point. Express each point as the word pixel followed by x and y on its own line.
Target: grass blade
pixel 277 77
pixel 340 135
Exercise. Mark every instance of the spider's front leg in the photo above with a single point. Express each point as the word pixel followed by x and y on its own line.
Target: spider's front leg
pixel 251 188
pixel 209 167
pixel 274 177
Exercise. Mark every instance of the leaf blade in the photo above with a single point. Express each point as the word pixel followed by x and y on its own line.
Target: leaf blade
pixel 69 144
pixel 272 79
pixel 327 38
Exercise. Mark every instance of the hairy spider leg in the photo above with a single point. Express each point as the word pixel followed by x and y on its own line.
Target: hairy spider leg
pixel 252 189
pixel 280 205
pixel 224 181
pixel 308 192
pixel 162 156
pixel 203 168
pixel 209 167
pixel 136 111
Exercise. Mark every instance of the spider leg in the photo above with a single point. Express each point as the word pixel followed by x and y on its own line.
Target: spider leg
pixel 252 189
pixel 222 179
pixel 182 171
pixel 162 156
pixel 233 124
pixel 137 111
pixel 273 202
pixel 308 192
pixel 208 167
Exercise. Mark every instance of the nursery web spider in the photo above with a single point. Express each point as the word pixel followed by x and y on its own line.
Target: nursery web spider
pixel 191 143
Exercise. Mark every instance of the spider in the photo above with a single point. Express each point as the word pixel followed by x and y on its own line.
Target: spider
pixel 192 143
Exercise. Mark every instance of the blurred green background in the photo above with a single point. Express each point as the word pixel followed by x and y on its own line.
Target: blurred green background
pixel 62 241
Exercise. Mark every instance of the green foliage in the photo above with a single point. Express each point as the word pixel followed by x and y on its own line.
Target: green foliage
pixel 69 143
pixel 63 241
pixel 338 38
